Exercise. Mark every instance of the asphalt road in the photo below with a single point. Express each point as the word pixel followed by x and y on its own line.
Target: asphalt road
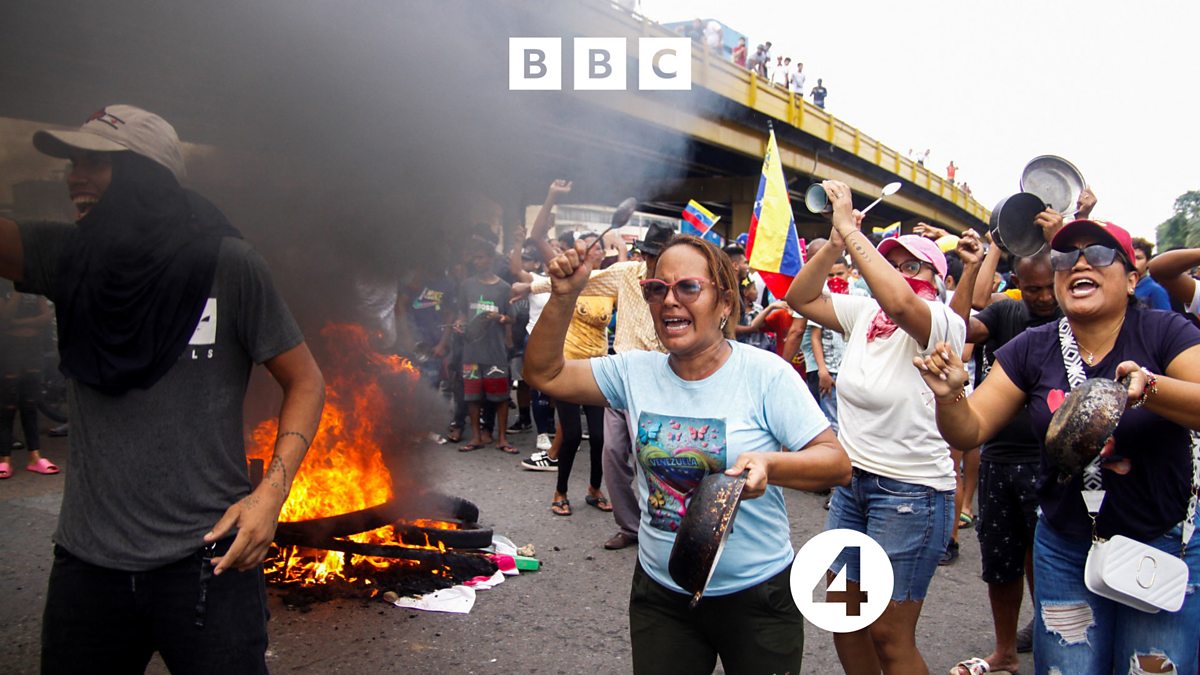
pixel 569 617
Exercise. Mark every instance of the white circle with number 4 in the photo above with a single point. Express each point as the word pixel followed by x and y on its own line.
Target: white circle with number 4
pixel 833 607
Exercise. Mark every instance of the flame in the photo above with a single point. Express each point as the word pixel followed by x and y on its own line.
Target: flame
pixel 344 469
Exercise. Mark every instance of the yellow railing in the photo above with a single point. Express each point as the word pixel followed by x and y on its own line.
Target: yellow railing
pixel 736 83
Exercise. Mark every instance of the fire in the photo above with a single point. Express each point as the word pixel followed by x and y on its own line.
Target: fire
pixel 344 470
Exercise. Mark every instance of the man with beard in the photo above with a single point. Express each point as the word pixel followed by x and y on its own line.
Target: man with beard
pixel 162 312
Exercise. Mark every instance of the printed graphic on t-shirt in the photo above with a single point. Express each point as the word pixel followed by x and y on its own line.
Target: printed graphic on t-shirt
pixel 206 328
pixel 484 306
pixel 428 298
pixel 676 453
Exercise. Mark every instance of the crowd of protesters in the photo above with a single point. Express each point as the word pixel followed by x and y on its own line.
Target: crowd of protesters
pixel 908 310
pixel 619 346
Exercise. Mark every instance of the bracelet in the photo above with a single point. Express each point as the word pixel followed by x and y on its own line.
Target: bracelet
pixel 962 394
pixel 293 433
pixel 1150 389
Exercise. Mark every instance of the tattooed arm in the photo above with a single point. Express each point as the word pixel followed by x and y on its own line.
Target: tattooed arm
pixel 256 516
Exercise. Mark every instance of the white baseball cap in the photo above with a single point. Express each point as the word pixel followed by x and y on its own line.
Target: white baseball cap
pixel 117 128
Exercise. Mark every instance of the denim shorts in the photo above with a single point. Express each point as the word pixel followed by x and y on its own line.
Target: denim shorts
pixel 911 522
pixel 1077 631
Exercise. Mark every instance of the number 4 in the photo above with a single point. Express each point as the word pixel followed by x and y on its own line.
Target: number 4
pixel 853 600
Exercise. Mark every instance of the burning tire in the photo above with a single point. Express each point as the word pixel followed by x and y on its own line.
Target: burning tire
pixel 451 533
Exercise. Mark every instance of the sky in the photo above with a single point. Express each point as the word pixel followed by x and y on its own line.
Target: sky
pixel 1110 86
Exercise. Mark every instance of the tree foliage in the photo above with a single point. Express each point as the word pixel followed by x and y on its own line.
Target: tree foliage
pixel 1183 228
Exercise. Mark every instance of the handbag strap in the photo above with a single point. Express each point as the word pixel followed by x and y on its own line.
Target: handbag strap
pixel 1093 484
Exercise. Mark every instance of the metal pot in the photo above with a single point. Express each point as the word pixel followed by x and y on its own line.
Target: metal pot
pixel 701 536
pixel 1082 425
pixel 1012 225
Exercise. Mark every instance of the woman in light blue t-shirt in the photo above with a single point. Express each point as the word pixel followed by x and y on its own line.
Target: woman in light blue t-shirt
pixel 709 404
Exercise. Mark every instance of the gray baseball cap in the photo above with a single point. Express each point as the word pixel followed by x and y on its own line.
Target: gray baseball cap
pixel 117 128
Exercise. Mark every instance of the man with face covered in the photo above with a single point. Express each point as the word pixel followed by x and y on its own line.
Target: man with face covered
pixel 162 312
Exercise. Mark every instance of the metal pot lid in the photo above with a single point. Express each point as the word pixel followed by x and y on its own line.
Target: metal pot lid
pixel 1055 180
pixel 701 536
pixel 1013 219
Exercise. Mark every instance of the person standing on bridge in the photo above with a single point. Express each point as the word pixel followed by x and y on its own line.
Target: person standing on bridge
pixel 162 312
pixel 818 93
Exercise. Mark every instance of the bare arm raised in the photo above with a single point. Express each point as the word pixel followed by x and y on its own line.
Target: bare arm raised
pixel 545 368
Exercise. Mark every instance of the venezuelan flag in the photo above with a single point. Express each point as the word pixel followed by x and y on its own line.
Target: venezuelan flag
pixel 773 248
pixel 892 230
pixel 701 218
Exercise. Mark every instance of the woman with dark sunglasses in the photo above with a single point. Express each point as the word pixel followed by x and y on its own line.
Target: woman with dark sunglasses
pixel 710 404
pixel 1145 470
pixel 902 491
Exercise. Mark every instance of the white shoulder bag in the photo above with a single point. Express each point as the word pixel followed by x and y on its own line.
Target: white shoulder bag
pixel 1122 569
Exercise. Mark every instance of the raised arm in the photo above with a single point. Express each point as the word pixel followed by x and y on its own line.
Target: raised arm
pixel 887 285
pixel 983 296
pixel 12 254
pixel 545 218
pixel 1171 269
pixel 806 295
pixel 516 265
pixel 969 251
pixel 545 368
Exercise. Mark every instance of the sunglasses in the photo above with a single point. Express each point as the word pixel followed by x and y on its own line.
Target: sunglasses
pixel 1096 255
pixel 687 290
pixel 909 268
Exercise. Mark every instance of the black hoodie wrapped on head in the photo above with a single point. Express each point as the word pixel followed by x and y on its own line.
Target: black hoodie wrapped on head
pixel 133 282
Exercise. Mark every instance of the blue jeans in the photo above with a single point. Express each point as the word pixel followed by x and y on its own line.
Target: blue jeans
pixel 1079 632
pixel 911 522
pixel 828 403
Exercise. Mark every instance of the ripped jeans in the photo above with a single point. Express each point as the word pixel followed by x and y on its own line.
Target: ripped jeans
pixel 1077 631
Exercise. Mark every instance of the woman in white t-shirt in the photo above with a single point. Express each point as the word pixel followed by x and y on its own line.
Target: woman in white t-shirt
pixel 710 404
pixel 902 490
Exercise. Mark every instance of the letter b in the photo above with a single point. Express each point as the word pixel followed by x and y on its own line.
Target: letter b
pixel 534 63
pixel 599 63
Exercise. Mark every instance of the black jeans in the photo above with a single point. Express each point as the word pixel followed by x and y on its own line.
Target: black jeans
pixel 758 630
pixel 104 620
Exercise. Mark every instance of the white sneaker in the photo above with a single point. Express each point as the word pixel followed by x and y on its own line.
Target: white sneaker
pixel 543 442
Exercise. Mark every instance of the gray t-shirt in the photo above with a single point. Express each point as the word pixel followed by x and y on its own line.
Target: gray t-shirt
pixel 151 471
pixel 483 339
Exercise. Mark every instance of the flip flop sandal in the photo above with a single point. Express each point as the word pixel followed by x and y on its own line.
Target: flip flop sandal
pixel 470 446
pixel 506 447
pixel 965 520
pixel 5 470
pixel 600 502
pixel 564 505
pixel 976 666
pixel 44 467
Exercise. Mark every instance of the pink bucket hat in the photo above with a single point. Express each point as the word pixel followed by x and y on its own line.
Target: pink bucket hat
pixel 923 249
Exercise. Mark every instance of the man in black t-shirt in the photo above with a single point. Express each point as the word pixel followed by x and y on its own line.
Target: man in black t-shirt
pixel 1010 461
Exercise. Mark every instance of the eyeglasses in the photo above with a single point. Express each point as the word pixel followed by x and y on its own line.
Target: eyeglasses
pixel 687 289
pixel 1096 255
pixel 909 268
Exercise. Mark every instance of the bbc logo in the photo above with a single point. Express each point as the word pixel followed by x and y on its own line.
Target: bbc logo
pixel 535 63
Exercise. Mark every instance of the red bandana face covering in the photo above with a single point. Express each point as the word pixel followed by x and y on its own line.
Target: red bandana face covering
pixel 882 325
